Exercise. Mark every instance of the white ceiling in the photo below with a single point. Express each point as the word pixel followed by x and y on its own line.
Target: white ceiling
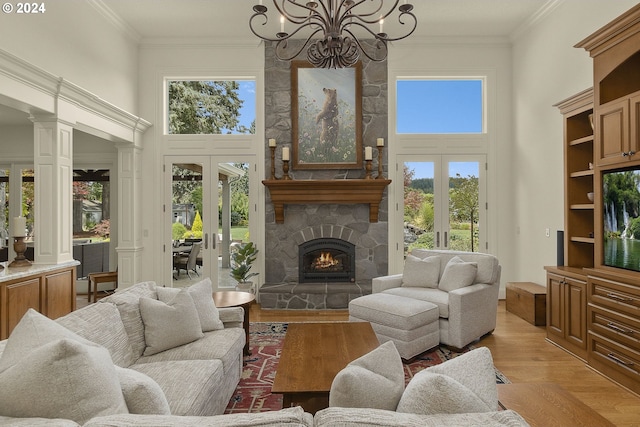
pixel 228 19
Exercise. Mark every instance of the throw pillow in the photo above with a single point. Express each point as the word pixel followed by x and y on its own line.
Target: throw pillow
pixel 31 332
pixel 375 380
pixel 457 274
pixel 169 325
pixel 141 393
pixel 420 272
pixel 201 293
pixel 428 393
pixel 62 379
pixel 475 370
pixel 469 383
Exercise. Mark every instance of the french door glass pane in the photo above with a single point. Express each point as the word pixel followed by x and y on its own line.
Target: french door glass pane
pixel 419 213
pixel 463 206
pixel 187 218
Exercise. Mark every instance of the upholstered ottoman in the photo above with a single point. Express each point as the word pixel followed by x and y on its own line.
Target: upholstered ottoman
pixel 410 323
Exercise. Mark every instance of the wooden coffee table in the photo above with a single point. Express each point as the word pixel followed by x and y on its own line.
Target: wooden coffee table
pixel 237 299
pixel 312 355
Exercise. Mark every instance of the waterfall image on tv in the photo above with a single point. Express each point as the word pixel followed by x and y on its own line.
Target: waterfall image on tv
pixel 621 205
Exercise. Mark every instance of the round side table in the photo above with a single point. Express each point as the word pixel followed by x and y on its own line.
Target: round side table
pixel 224 299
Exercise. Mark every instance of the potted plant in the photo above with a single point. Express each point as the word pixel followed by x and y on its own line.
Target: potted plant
pixel 242 259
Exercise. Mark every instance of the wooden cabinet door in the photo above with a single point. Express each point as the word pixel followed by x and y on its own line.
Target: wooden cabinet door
pixel 555 312
pixel 16 299
pixel 634 124
pixel 575 305
pixel 612 127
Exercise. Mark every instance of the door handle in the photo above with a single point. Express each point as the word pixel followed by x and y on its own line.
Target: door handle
pixel 206 240
pixel 437 239
pixel 446 240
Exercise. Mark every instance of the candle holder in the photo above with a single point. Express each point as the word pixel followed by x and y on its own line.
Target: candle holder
pixel 368 169
pixel 380 176
pixel 20 246
pixel 285 169
pixel 273 162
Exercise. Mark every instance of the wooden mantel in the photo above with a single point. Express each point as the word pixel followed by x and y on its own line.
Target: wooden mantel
pixel 340 191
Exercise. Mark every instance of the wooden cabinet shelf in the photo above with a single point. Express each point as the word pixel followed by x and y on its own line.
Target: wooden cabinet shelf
pixel 590 240
pixel 583 140
pixel 580 174
pixel 578 206
pixel 339 191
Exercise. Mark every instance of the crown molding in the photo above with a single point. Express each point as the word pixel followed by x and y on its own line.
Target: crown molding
pixel 115 20
pixel 534 19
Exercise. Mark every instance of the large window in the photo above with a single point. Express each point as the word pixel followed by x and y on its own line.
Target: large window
pixel 440 106
pixel 211 107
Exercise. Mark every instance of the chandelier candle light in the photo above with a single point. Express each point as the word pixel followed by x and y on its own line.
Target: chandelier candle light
pixel 328 29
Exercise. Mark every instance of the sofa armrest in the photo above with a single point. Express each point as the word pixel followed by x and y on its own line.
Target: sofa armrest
pixel 380 284
pixel 232 317
pixel 472 311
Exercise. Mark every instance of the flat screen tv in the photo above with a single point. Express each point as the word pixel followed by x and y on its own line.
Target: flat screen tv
pixel 621 215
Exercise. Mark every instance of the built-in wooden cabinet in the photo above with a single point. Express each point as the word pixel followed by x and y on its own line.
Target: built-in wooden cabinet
pixel 48 289
pixel 618 139
pixel 578 140
pixel 567 309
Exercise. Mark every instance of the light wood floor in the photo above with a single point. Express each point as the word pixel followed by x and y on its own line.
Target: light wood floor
pixel 520 352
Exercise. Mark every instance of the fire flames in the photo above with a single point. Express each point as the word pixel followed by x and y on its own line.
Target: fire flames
pixel 324 261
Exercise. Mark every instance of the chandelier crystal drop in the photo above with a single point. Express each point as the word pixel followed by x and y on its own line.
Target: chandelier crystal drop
pixel 327 29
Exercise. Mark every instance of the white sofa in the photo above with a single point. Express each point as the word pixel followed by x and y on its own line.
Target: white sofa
pixel 467 311
pixel 197 378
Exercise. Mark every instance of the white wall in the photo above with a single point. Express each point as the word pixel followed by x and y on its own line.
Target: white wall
pixel 490 58
pixel 195 59
pixel 73 41
pixel 546 69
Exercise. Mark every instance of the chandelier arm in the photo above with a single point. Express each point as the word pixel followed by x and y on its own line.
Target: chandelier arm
pixel 381 45
pixel 293 18
pixel 375 14
pixel 282 45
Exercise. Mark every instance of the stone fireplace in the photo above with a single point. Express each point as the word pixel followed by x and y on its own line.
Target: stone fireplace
pixel 326 260
pixel 290 226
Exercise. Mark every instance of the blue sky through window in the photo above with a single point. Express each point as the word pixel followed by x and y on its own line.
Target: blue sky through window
pixel 439 106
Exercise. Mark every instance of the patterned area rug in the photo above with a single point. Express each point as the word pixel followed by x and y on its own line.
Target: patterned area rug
pixel 254 391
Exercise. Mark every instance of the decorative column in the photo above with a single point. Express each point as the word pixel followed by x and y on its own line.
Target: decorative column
pixel 53 169
pixel 129 225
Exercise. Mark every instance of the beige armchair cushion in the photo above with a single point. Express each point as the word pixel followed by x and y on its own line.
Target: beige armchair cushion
pixel 421 272
pixel 458 274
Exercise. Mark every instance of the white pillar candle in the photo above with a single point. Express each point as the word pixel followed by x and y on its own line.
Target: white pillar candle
pixel 281 23
pixel 19 226
pixel 272 142
pixel 285 153
pixel 380 142
pixel 368 153
pixel 381 23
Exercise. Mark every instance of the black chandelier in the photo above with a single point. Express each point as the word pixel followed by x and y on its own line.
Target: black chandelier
pixel 328 27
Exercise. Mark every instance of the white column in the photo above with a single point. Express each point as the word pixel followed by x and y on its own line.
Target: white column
pixel 53 170
pixel 129 218
pixel 226 223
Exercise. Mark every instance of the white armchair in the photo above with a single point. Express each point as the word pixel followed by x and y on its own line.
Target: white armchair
pixel 467 311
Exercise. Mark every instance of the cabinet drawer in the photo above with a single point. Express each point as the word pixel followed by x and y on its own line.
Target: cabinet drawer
pixel 614 326
pixel 616 357
pixel 615 295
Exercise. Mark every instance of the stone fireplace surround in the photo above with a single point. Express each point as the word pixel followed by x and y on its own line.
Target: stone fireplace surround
pixel 305 222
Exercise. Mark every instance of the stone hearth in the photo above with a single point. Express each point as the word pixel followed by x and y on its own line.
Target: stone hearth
pixel 311 296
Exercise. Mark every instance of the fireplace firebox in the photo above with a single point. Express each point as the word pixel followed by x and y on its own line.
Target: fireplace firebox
pixel 326 260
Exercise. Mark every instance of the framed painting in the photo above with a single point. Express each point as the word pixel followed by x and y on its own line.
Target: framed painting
pixel 326 113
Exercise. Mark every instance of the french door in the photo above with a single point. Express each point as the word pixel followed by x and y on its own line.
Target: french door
pixel 442 203
pixel 206 212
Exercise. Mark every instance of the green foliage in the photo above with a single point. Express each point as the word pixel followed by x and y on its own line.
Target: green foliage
pixel 310 148
pixel 242 260
pixel 177 230
pixel 634 228
pixel 205 107
pixel 463 199
pixel 425 216
pixel 424 184
pixel 197 223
